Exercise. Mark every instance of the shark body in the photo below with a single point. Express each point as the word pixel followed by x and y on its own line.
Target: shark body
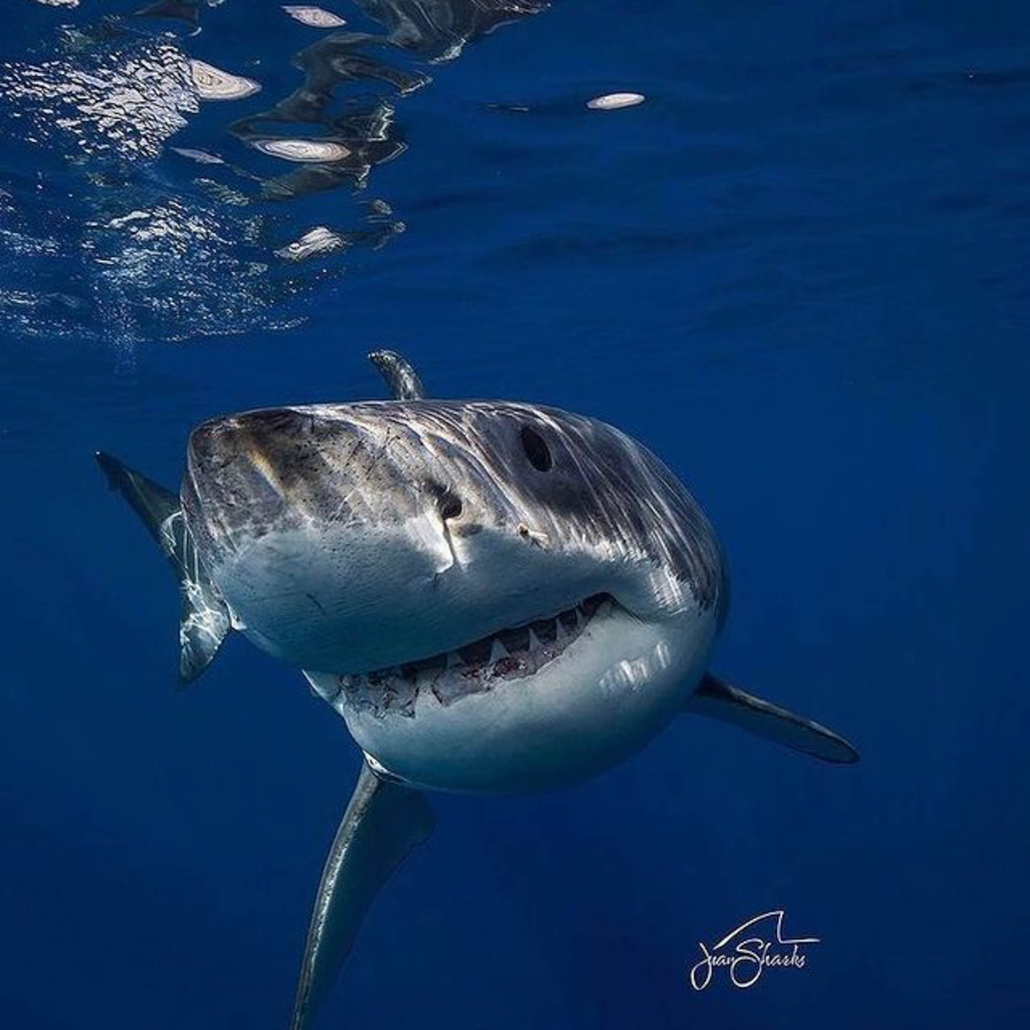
pixel 495 596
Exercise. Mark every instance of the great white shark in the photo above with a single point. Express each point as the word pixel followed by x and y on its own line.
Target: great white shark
pixel 495 596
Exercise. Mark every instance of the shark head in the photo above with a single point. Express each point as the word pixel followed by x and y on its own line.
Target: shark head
pixel 495 596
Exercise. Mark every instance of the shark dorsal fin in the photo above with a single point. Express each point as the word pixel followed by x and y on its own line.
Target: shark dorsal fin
pixel 719 700
pixel 204 621
pixel 402 379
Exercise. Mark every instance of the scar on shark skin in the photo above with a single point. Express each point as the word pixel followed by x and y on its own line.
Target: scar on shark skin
pixel 531 535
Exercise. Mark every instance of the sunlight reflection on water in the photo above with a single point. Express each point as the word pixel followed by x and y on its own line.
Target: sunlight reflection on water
pixel 157 254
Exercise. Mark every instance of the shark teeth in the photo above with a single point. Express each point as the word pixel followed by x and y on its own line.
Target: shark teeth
pixel 477 667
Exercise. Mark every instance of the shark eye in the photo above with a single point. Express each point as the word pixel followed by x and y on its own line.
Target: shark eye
pixel 536 449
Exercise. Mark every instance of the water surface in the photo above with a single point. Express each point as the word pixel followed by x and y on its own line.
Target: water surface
pixel 798 271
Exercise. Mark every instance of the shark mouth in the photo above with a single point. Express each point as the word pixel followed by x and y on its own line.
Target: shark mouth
pixel 511 654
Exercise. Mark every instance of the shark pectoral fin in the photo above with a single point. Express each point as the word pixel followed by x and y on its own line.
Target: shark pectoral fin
pixel 382 823
pixel 204 619
pixel 402 379
pixel 720 701
pixel 151 502
pixel 203 625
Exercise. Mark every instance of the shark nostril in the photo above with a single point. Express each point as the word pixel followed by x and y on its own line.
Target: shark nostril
pixel 450 507
pixel 448 504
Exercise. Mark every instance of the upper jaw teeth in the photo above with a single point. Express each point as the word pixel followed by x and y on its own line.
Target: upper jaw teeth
pixel 524 646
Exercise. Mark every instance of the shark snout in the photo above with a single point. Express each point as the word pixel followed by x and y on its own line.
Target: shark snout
pixel 273 438
pixel 309 469
pixel 233 474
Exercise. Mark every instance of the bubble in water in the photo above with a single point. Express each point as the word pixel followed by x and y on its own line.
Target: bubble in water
pixel 200 156
pixel 214 84
pixel 302 149
pixel 320 240
pixel 615 101
pixel 123 102
pixel 316 17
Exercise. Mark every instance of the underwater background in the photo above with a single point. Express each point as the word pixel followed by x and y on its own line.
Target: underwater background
pixel 799 271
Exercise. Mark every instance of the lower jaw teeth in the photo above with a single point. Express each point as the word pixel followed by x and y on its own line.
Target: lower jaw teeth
pixel 453 677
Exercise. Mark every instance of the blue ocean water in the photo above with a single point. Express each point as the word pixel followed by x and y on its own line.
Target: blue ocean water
pixel 797 271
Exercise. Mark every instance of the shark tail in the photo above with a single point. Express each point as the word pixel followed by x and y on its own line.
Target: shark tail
pixel 204 622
